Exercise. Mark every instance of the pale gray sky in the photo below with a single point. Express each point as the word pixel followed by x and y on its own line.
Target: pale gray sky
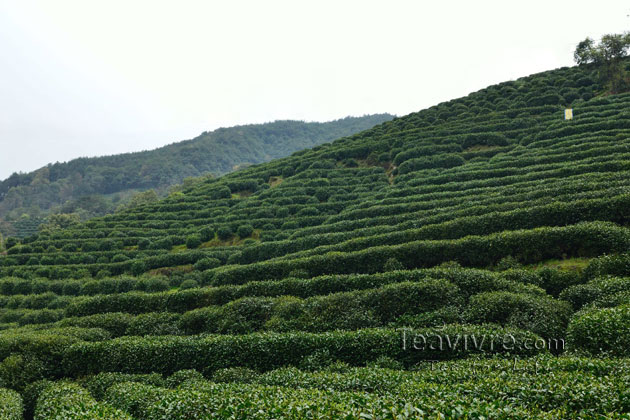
pixel 86 77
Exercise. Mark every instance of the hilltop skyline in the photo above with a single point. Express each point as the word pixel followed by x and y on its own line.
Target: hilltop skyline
pixel 82 79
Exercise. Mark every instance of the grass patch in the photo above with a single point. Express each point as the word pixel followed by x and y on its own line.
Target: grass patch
pixel 233 241
pixel 569 264
pixel 274 181
pixel 169 271
pixel 481 148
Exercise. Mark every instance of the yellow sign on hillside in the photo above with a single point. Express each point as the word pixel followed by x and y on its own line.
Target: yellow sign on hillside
pixel 568 114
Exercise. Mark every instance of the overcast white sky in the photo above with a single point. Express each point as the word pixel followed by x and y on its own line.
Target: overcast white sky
pixel 86 78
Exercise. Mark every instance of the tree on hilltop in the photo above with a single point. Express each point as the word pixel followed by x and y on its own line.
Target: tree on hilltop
pixel 607 55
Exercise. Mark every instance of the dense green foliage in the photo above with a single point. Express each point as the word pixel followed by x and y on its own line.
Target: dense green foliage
pixel 97 186
pixel 486 233
pixel 10 405
pixel 607 55
pixel 496 388
pixel 69 401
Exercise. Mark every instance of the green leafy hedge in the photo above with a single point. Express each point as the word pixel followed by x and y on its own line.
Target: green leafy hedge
pixel 10 405
pixel 265 351
pixel 67 401
pixel 583 239
pixel 597 331
pixel 542 315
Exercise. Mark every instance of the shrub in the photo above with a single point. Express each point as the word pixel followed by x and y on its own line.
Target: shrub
pixel 99 384
pixel 23 288
pixel 436 161
pixel 71 288
pixel 181 376
pixel 299 274
pixel 200 320
pixel 10 405
pixel 165 243
pixel 70 401
pixel 282 212
pixel 30 395
pixel 120 258
pixel 266 351
pixel 153 284
pixel 135 398
pixel 221 193
pixel 193 241
pixel 318 360
pixel 207 264
pixel 484 139
pixel 541 315
pixel 520 275
pixel 601 330
pixel 385 362
pixel 529 246
pixel 307 211
pixel 394 300
pixel 10 242
pixel 608 264
pixel 234 258
pixel 188 284
pixel 446 315
pixel 244 315
pixel 556 281
pixel 244 231
pixel 582 294
pixel 19 370
pixel 224 233
pixel 508 262
pixel 235 374
pixel 138 267
pixel 154 323
pixel 116 323
pixel 289 225
pixel 206 234
pixel 393 264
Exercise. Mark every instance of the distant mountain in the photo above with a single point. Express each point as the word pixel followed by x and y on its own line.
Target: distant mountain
pixel 96 186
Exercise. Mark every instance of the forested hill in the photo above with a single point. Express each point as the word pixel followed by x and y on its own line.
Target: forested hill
pixel 290 287
pixel 216 152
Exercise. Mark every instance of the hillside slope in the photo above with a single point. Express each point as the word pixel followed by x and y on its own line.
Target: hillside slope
pixel 117 176
pixel 486 233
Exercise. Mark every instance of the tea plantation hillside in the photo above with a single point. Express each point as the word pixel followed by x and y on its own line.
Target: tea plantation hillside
pixel 97 186
pixel 468 261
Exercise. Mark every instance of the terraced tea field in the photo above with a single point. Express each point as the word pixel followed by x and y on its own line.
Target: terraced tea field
pixel 468 261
